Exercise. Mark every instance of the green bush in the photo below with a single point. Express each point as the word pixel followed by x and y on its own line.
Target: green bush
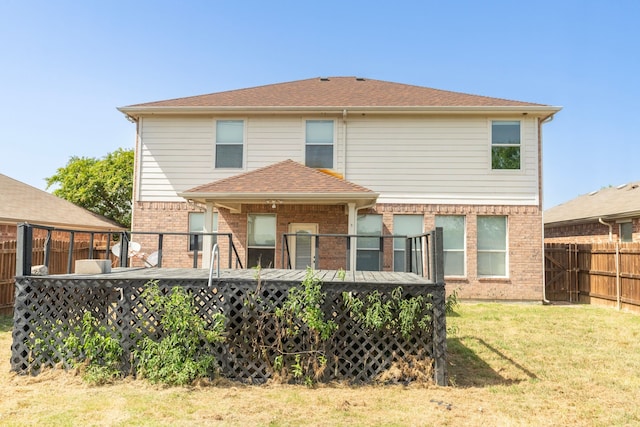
pixel 95 351
pixel 179 354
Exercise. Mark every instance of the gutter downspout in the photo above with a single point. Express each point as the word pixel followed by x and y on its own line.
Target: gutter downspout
pixel 547 119
pixel 610 228
pixel 344 143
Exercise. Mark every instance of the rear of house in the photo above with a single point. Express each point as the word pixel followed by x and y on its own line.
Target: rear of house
pixel 292 165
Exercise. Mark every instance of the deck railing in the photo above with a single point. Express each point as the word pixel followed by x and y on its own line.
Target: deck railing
pixel 121 240
pixel 420 252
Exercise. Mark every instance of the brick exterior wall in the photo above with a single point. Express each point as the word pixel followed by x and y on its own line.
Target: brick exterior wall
pixel 525 254
pixel 588 232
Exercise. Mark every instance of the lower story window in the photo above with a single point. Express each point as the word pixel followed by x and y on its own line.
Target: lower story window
pixel 261 240
pixel 196 225
pixel 453 242
pixel 368 248
pixel 492 246
pixel 406 225
pixel 626 232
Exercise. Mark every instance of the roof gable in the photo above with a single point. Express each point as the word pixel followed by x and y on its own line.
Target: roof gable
pixel 342 92
pixel 20 202
pixel 282 178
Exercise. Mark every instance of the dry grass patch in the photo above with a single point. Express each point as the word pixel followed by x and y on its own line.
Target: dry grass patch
pixel 528 365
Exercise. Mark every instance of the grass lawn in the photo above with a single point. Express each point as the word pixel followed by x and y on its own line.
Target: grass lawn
pixel 509 365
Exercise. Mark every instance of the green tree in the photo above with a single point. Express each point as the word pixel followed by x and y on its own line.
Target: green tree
pixel 103 186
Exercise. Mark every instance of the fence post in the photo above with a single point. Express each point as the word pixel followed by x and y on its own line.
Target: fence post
pixel 24 249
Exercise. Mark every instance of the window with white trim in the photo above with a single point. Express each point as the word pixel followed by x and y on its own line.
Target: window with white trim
pixel 505 145
pixel 229 143
pixel 368 248
pixel 453 242
pixel 261 240
pixel 196 225
pixel 405 225
pixel 319 144
pixel 492 246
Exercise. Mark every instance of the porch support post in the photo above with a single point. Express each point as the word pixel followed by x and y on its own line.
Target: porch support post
pixel 207 241
pixel 353 229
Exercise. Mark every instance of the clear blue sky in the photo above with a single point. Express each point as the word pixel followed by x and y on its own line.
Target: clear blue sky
pixel 66 65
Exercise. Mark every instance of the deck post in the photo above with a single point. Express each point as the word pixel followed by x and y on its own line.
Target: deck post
pixel 160 239
pixel 72 236
pixel 47 248
pixel 439 310
pixel 24 250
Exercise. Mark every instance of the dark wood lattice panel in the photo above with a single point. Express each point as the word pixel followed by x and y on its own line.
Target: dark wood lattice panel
pixel 47 308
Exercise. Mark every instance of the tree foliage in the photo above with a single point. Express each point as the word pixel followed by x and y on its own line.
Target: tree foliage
pixel 103 186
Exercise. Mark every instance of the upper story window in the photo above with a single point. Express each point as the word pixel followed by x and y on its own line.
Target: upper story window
pixel 505 145
pixel 229 143
pixel 319 144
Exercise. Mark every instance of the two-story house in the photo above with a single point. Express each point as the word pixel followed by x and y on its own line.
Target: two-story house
pixel 347 155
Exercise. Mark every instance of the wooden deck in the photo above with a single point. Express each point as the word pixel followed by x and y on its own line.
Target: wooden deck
pixel 266 275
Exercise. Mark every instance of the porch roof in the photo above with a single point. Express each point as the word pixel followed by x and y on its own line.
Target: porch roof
pixel 286 182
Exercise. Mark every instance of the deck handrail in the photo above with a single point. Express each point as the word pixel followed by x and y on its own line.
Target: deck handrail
pixel 24 247
pixel 423 252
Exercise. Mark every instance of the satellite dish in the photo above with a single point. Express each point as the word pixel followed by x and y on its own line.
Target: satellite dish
pixel 151 260
pixel 134 249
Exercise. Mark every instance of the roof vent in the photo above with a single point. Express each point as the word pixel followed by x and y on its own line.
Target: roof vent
pixel 360 79
pixel 324 79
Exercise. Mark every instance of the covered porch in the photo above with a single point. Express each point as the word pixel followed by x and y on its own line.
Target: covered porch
pixel 277 209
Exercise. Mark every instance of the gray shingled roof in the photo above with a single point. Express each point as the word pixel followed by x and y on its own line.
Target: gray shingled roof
pixel 20 202
pixel 608 203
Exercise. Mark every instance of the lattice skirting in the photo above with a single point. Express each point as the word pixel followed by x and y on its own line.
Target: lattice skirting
pixel 46 308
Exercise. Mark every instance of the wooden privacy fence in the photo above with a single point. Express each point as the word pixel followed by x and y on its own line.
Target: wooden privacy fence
pixel 59 257
pixel 606 273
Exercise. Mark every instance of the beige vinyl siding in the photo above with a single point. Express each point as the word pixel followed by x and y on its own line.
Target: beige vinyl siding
pixel 429 159
pixel 274 139
pixel 178 152
pixel 438 158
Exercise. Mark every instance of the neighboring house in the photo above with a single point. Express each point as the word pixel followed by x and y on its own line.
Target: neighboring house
pixel 349 155
pixel 608 214
pixel 20 202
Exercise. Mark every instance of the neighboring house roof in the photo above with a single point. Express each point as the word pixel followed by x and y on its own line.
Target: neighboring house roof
pixel 283 182
pixel 337 93
pixel 609 203
pixel 20 202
